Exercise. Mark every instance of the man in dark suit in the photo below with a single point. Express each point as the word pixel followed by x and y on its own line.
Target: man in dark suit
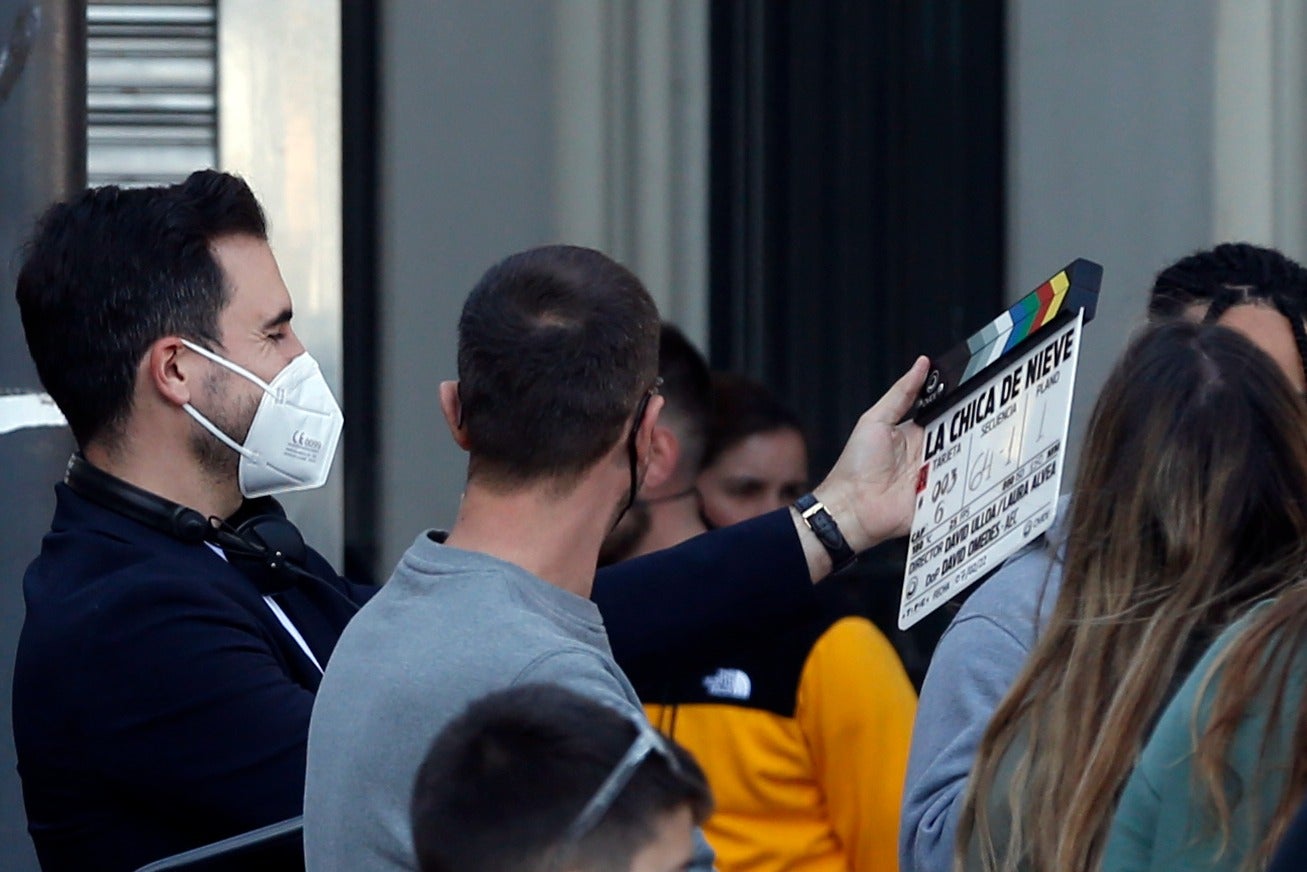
pixel 176 625
pixel 165 674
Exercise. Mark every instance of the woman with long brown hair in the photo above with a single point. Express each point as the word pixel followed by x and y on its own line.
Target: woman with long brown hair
pixel 1190 505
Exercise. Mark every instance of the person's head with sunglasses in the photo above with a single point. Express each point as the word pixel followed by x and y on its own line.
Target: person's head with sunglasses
pixel 1256 291
pixel 540 779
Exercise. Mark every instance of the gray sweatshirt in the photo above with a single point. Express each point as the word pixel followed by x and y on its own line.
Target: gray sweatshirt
pixel 974 665
pixel 449 627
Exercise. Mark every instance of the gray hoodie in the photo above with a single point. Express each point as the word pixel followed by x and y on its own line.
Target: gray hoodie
pixel 974 665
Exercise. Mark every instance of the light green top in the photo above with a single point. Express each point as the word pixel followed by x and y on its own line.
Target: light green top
pixel 1163 822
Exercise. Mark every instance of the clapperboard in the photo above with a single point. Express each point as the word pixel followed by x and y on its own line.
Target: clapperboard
pixel 995 410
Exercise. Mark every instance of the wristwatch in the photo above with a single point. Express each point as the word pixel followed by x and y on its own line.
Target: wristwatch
pixel 828 533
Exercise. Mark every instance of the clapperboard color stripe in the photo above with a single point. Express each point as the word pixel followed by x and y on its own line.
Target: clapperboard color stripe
pixel 1072 290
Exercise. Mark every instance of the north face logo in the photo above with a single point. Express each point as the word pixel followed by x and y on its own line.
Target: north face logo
pixel 728 684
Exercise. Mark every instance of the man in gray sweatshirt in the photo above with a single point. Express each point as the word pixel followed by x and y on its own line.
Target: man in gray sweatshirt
pixel 1257 291
pixel 556 404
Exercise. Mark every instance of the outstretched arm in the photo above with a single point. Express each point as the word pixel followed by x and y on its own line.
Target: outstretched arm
pixel 758 573
pixel 870 490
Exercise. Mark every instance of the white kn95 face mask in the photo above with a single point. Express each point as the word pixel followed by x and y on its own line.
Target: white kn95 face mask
pixel 293 436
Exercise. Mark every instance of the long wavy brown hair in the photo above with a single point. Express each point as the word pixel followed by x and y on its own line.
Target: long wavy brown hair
pixel 1190 505
pixel 1258 672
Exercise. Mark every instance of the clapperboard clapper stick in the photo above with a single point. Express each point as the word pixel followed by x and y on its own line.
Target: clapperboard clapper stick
pixel 996 410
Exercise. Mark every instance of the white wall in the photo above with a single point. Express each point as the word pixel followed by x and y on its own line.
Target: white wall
pixel 465 146
pixel 505 125
pixel 1259 160
pixel 279 126
pixel 631 96
pixel 1110 153
pixel 1141 132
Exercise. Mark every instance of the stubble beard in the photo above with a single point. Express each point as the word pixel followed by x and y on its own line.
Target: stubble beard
pixel 233 416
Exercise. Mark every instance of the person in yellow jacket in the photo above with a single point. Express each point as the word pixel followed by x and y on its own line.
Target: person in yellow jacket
pixel 803 735
pixel 804 741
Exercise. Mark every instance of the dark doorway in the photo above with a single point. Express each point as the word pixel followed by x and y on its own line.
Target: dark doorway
pixel 856 193
pixel 359 90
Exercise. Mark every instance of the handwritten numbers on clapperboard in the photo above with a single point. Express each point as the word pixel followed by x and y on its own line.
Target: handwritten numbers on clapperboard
pixel 981 469
pixel 1013 446
pixel 942 487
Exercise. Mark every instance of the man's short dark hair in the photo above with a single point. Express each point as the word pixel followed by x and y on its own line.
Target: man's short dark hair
pixel 556 345
pixel 687 390
pixel 111 271
pixel 504 782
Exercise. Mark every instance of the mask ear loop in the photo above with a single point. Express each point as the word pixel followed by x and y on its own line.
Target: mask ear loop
pixel 632 452
pixel 205 422
pixel 234 367
pixel 219 435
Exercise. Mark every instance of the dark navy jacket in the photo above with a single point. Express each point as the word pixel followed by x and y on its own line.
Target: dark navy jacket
pixel 159 704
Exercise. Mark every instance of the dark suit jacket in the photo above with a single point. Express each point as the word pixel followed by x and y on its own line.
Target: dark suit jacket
pixel 158 702
pixel 706 592
pixel 159 705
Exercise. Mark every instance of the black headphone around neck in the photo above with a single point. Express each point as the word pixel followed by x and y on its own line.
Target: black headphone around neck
pixel 264 544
